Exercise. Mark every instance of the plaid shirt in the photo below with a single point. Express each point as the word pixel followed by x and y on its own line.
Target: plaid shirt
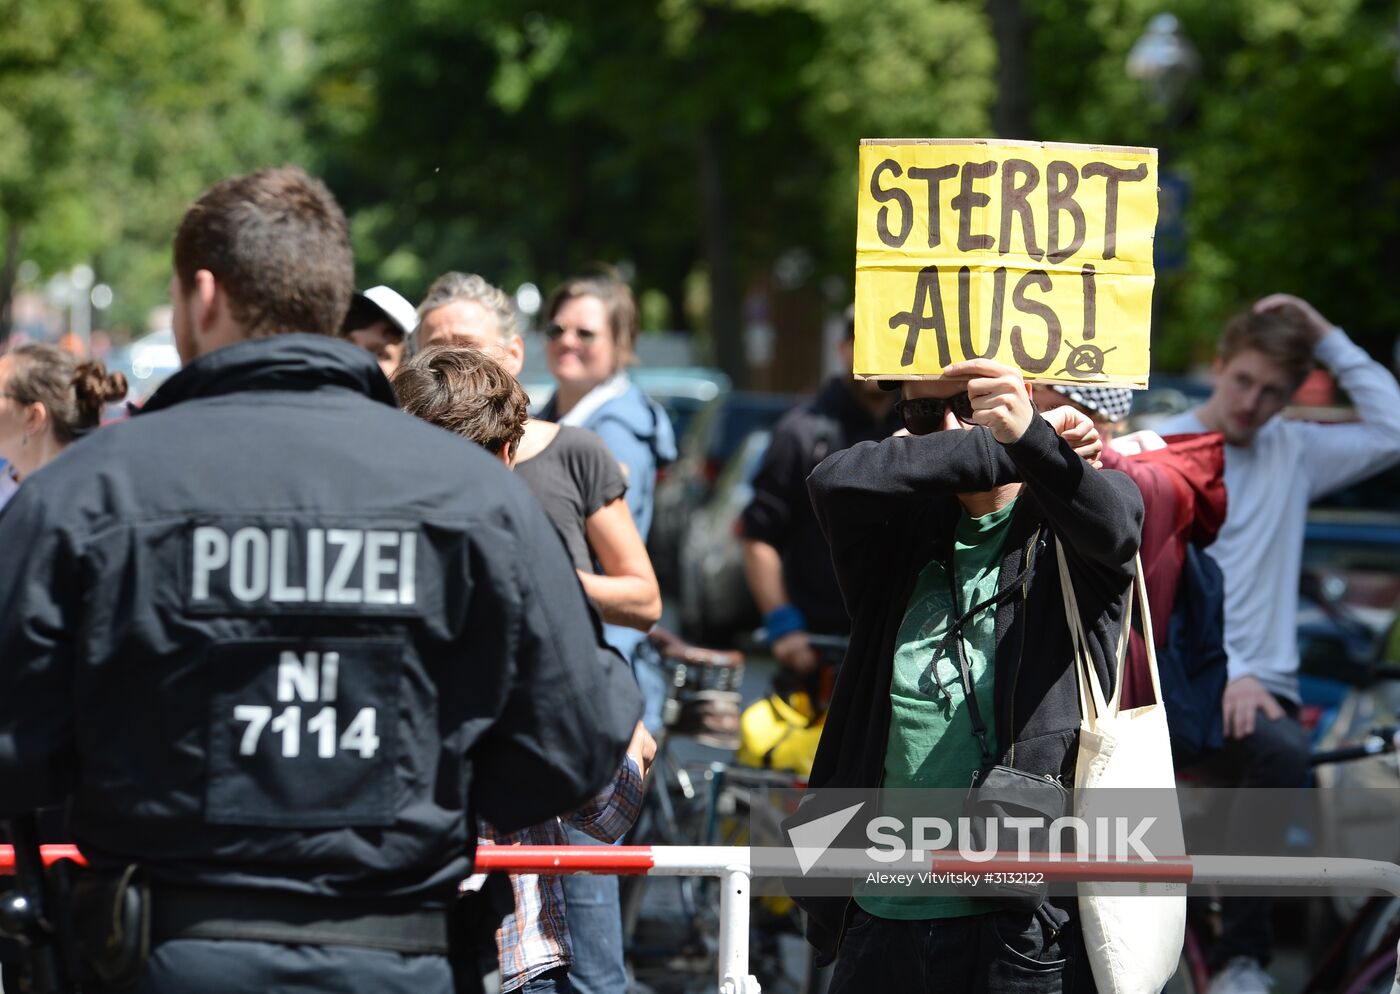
pixel 535 938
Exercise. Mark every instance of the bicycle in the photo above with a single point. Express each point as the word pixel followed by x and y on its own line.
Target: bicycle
pixel 701 703
pixel 719 803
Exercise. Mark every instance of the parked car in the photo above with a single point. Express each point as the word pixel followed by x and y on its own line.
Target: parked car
pixel 713 434
pixel 681 390
pixel 715 603
pixel 146 362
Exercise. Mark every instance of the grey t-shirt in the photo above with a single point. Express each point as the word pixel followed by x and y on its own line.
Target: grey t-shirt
pixel 574 476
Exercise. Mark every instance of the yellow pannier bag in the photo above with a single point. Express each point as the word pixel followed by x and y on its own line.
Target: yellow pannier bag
pixel 780 733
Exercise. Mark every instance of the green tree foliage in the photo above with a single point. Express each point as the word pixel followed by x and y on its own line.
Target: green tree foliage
pixel 678 136
pixel 1287 138
pixel 708 146
pixel 115 114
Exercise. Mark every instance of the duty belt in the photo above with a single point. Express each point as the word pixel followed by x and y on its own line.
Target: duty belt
pixel 294 919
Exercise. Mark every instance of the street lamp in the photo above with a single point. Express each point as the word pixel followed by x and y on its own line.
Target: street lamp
pixel 80 317
pixel 1164 60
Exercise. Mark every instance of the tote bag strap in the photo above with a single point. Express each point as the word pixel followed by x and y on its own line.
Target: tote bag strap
pixel 1091 699
pixel 1137 593
pixel 1145 612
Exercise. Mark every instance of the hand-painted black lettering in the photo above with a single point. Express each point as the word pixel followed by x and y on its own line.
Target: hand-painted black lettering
pixel 898 196
pixel 1061 180
pixel 1053 332
pixel 933 177
pixel 927 312
pixel 1013 201
pixel 1086 275
pixel 968 200
pixel 1113 175
pixel 965 314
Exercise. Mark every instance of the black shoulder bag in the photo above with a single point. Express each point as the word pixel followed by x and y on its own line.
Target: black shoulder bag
pixel 1000 792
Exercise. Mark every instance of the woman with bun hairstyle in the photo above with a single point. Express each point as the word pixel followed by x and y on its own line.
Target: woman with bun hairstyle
pixel 48 398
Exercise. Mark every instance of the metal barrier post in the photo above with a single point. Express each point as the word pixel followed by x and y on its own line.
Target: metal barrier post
pixel 734 976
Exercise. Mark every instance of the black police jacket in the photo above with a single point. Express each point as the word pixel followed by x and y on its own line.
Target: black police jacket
pixel 273 632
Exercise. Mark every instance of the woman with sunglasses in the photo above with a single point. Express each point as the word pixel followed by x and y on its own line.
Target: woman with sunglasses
pixel 47 400
pixel 570 470
pixel 591 331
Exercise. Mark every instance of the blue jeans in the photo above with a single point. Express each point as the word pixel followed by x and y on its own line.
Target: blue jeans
pixel 595 928
pixel 554 981
pixel 227 966
pixel 1001 952
pixel 646 667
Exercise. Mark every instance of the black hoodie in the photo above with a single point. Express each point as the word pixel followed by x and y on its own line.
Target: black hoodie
pixel 274 633
pixel 888 508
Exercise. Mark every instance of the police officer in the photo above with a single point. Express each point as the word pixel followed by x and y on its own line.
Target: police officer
pixel 279 643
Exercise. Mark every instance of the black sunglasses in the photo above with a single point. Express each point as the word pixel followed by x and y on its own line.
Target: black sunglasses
pixel 585 335
pixel 924 415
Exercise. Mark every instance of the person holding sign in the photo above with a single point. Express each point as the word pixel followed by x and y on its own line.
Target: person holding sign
pixel 958 520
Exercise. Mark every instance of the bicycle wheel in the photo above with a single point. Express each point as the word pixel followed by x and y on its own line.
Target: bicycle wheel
pixel 659 913
pixel 1377 976
pixel 1381 921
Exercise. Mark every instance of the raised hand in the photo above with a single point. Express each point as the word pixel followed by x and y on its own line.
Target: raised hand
pixel 999 397
pixel 1317 324
pixel 1076 428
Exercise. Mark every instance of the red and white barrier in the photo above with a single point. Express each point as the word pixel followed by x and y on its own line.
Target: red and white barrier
pixel 734 866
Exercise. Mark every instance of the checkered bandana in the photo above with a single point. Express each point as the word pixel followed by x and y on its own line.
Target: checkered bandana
pixel 1108 403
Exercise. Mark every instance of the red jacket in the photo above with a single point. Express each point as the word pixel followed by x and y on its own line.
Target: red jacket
pixel 1183 497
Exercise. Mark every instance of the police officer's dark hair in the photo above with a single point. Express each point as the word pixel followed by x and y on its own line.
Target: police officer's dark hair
pixel 467 392
pixel 278 244
pixel 72 392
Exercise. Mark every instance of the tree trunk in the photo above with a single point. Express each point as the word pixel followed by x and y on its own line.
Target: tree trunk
pixel 1011 27
pixel 8 269
pixel 726 304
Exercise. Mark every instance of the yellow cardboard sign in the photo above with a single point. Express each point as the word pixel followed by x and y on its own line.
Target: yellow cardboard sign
pixel 1035 255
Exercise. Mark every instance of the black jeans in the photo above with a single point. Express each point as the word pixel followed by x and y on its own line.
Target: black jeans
pixel 1275 755
pixel 1001 952
pixel 217 966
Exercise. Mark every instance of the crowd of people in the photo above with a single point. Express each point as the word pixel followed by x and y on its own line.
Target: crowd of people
pixel 332 610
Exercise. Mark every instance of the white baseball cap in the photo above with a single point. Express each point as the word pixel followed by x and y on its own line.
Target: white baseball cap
pixel 395 308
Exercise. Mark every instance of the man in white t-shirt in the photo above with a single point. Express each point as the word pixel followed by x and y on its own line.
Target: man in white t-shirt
pixel 1274 468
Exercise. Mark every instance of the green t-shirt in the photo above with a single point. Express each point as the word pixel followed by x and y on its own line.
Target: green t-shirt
pixel 931 742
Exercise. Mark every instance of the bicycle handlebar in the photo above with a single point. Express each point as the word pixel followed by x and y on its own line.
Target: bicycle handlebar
pixel 1378 742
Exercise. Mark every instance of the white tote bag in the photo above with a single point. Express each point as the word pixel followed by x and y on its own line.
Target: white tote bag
pixel 1134 939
